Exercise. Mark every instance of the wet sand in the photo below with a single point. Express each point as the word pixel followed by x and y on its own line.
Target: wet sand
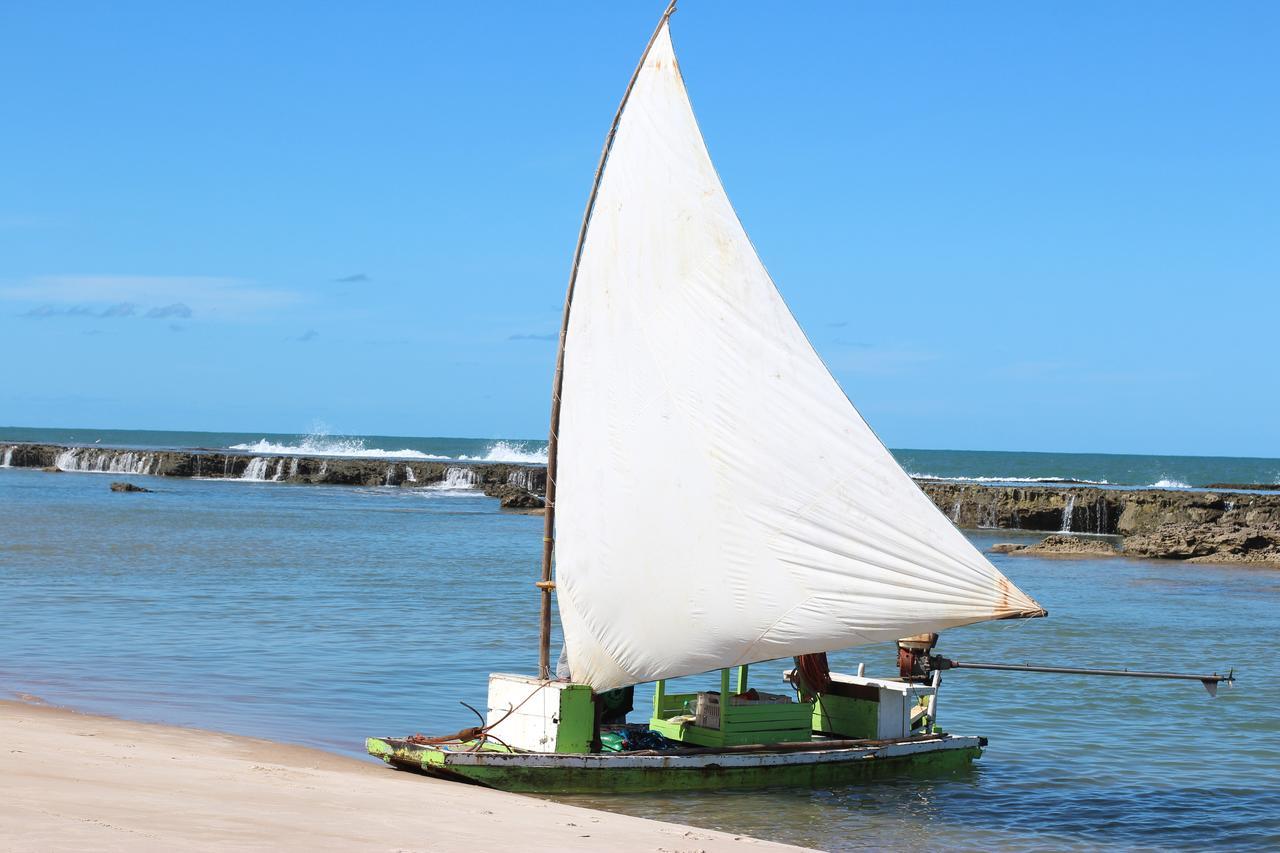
pixel 75 781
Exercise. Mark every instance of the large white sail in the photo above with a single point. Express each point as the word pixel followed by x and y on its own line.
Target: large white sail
pixel 720 501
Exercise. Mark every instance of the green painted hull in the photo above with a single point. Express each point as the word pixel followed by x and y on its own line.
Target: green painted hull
pixel 618 773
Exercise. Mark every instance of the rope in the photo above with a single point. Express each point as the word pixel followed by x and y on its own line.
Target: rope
pixel 814 671
pixel 480 733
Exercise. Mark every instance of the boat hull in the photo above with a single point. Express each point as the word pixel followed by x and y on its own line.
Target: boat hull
pixel 556 773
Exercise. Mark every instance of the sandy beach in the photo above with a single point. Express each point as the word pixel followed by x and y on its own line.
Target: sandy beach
pixel 76 781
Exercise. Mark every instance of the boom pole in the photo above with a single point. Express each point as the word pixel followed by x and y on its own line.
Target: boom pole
pixel 1210 682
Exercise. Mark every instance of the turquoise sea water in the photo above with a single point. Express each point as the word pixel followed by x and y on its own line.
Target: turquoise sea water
pixel 321 614
pixel 980 465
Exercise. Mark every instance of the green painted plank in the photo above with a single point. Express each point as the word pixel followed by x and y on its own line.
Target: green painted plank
pixel 568 780
pixel 841 715
pixel 576 728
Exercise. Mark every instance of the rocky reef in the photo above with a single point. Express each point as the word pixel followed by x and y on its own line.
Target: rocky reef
pixel 1060 545
pixel 511 496
pixel 1218 543
pixel 1212 525
pixel 1081 509
pixel 1195 543
pixel 216 465
pixel 1202 526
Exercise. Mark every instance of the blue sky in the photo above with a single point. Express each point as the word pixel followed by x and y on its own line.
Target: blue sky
pixel 1024 226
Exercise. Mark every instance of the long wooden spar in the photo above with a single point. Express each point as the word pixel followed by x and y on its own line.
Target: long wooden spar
pixel 546 584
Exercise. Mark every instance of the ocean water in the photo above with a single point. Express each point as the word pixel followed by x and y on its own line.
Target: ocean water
pixel 320 615
pixel 962 465
pixel 1113 469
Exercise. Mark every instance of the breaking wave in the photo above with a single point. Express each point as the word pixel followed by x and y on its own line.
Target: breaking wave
pixel 511 451
pixel 325 446
pixel 1170 484
pixel 1010 480
pixel 1164 483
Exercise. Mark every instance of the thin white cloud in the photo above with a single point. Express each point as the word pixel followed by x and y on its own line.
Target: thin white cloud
pixel 116 309
pixel 119 309
pixel 208 296
pixel 177 309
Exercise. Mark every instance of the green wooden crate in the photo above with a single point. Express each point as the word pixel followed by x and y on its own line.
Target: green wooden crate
pixel 845 717
pixel 739 724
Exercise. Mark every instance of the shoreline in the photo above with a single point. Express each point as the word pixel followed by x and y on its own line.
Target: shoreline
pixel 70 780
pixel 1227 525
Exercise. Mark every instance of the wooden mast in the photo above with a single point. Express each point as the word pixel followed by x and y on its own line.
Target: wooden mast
pixel 546 584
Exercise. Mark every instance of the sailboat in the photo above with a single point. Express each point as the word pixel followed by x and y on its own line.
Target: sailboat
pixel 701 452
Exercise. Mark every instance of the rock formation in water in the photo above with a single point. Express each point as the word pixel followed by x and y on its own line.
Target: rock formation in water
pixel 1256 487
pixel 1193 542
pixel 1080 509
pixel 127 487
pixel 1203 526
pixel 1059 545
pixel 210 464
pixel 1231 542
pixel 511 496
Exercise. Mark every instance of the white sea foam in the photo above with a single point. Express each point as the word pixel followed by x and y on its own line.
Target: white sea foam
pixel 1164 483
pixel 314 445
pixel 1066 480
pixel 94 461
pixel 1170 484
pixel 455 480
pixel 511 451
pixel 256 470
pixel 435 491
pixel 320 443
pixel 522 477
